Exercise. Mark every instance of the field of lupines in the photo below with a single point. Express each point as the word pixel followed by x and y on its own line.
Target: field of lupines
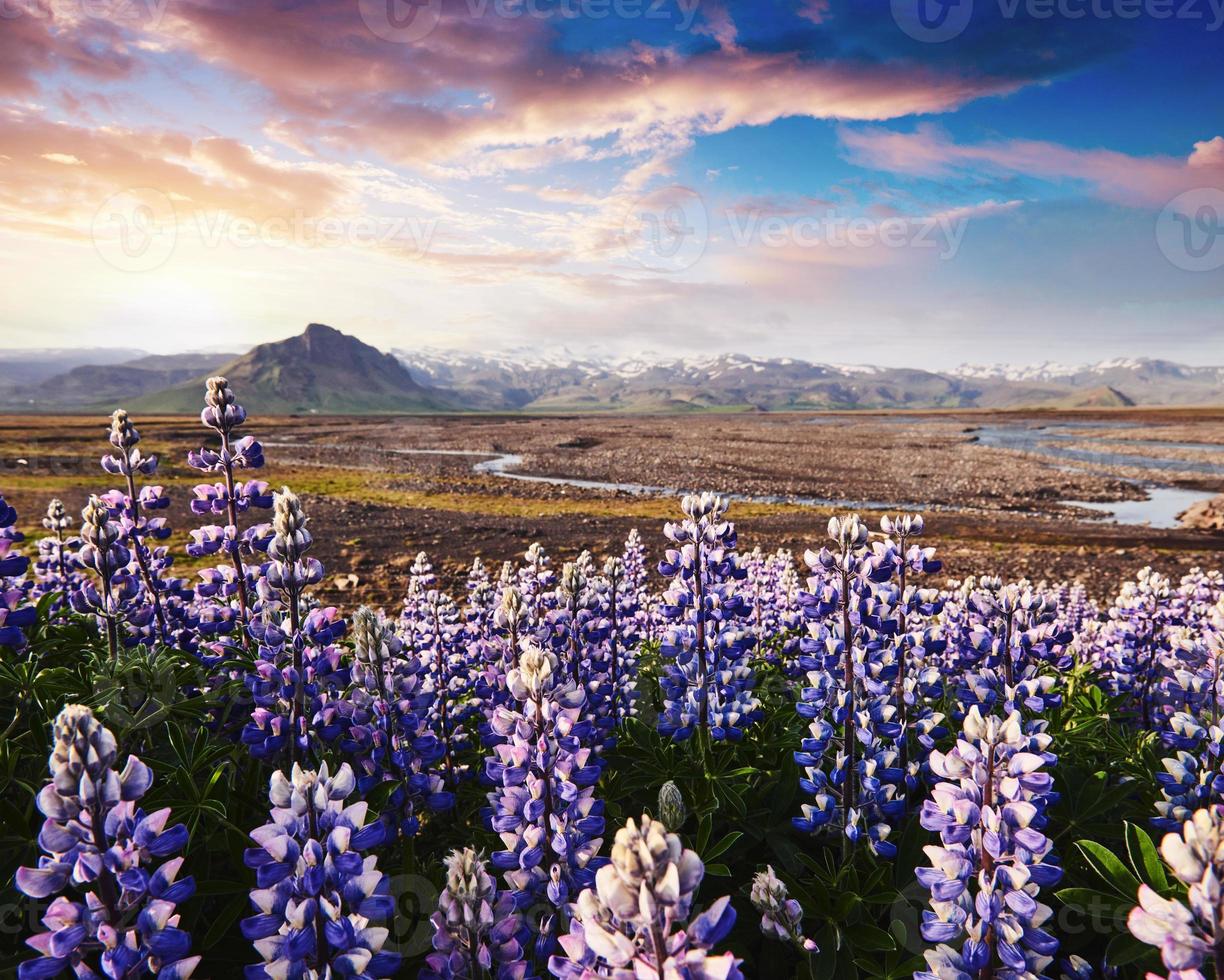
pixel 708 763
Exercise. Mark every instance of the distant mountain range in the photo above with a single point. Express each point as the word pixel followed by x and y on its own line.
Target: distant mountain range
pixel 325 371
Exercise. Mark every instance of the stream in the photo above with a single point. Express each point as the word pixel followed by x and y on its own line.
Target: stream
pixel 1159 510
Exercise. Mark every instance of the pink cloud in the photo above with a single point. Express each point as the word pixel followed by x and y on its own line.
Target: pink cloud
pixel 1112 176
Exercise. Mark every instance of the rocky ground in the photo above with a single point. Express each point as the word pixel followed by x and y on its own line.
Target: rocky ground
pixel 373 506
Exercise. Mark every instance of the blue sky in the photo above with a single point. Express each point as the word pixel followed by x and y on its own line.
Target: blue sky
pixel 815 178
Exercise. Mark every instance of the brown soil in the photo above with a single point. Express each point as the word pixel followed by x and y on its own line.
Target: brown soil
pixel 372 509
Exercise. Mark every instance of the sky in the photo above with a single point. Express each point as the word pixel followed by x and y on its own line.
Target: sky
pixel 899 182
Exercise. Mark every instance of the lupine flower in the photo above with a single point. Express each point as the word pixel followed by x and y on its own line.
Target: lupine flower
pixel 280 683
pixel 672 811
pixel 11 563
pixel 317 894
pixel 854 789
pixel 781 916
pixel 16 615
pixel 102 846
pixel 476 927
pixel 224 415
pixel 129 462
pixel 1187 935
pixel 57 567
pixel 635 921
pixel 707 683
pixel 988 810
pixel 434 630
pixel 380 724
pixel 116 598
pixel 543 806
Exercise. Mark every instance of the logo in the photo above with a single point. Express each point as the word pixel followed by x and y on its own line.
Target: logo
pixel 135 230
pixel 1190 230
pixel 667 230
pixel 401 21
pixel 932 21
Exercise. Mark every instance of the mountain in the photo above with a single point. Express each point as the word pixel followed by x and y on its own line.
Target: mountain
pixel 325 371
pixel 321 370
pixel 1140 381
pixel 102 386
pixel 722 382
pixel 29 367
pixel 526 381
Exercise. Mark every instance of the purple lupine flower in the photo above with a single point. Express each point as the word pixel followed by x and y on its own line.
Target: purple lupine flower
pixel 620 605
pixel 101 845
pixel 128 461
pixel 476 929
pixel 317 894
pixel 434 629
pixel 285 578
pixel 115 599
pixel 1194 777
pixel 224 415
pixel 12 564
pixel 1187 935
pixel 16 614
pixel 988 810
pixel 850 663
pixel 635 921
pixel 708 682
pixel 543 805
pixel 381 725
pixel 57 568
pixel 781 916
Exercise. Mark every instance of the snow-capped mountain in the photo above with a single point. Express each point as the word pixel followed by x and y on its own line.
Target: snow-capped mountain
pixel 327 371
pixel 562 381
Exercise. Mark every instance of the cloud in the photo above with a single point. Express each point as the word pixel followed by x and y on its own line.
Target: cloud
pixel 1119 178
pixel 340 88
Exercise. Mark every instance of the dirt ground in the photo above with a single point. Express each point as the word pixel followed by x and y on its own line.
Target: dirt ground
pixel 373 505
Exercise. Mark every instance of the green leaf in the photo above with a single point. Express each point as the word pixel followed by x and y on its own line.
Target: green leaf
pixel 1143 857
pixel 1106 864
pixel 223 922
pixel 722 846
pixel 865 936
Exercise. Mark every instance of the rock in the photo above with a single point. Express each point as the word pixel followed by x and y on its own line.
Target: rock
pixel 345 583
pixel 1206 515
